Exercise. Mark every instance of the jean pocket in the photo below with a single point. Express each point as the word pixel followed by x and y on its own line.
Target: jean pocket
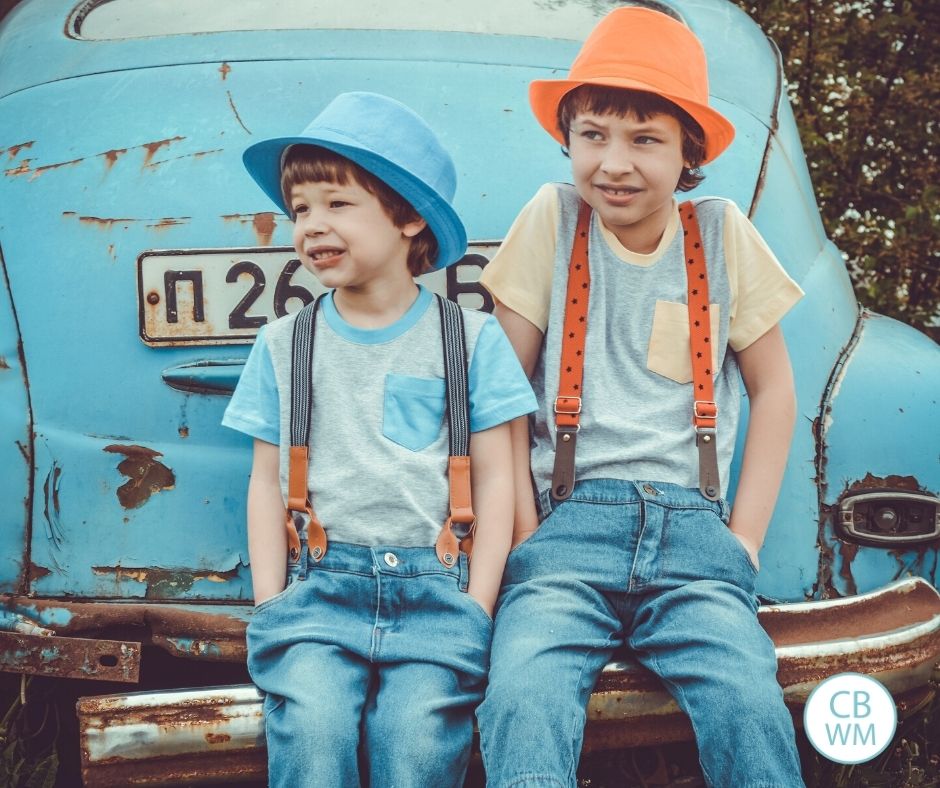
pixel 293 572
pixel 669 353
pixel 413 410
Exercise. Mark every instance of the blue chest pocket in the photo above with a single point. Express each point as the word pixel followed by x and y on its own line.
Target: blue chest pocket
pixel 414 410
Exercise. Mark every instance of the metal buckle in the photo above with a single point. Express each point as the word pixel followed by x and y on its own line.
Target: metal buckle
pixel 698 415
pixel 568 412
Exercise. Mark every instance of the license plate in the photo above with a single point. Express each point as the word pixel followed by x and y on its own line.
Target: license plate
pixel 223 296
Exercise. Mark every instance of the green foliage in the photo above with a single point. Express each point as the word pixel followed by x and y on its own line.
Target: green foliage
pixel 28 754
pixel 864 81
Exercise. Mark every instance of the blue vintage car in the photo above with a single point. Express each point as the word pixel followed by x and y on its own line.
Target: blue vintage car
pixel 139 260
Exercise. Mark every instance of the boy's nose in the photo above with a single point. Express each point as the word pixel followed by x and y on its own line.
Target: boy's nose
pixel 314 223
pixel 617 159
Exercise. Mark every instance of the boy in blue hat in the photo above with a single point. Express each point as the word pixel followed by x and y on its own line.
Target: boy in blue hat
pixel 370 637
pixel 638 318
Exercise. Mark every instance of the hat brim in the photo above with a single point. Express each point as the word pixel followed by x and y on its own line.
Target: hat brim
pixel 263 162
pixel 546 94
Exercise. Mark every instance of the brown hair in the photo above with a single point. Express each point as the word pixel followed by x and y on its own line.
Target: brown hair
pixel 622 101
pixel 313 164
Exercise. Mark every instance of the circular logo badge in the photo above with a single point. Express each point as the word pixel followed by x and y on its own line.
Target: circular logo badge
pixel 850 718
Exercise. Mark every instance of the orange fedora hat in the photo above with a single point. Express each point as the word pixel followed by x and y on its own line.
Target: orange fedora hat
pixel 639 49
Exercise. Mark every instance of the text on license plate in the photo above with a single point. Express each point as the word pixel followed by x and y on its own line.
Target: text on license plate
pixel 223 296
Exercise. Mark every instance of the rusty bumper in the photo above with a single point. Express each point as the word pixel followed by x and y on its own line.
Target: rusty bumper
pixel 892 633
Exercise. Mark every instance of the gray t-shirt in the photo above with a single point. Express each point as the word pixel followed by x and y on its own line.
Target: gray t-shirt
pixel 379 437
pixel 637 400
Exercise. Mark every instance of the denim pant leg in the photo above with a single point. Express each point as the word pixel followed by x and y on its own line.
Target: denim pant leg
pixel 555 631
pixel 695 625
pixel 432 656
pixel 315 684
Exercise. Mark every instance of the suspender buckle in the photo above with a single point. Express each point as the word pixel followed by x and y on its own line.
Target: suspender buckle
pixel 704 414
pixel 570 406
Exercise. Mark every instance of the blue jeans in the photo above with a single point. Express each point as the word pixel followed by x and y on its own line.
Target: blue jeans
pixel 372 662
pixel 654 565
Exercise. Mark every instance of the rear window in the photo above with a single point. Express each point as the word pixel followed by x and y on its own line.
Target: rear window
pixel 117 19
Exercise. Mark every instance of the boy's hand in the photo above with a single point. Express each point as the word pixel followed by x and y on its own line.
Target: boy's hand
pixel 751 548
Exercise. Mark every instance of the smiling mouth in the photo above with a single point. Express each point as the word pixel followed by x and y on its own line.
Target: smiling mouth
pixel 322 255
pixel 618 191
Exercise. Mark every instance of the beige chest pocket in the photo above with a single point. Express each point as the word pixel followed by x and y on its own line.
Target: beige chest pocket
pixel 669 341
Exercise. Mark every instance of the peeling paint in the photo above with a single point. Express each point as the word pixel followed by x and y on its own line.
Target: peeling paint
pixel 146 476
pixel 225 69
pixel 50 490
pixel 165 583
pixel 197 155
pixel 37 572
pixel 14 150
pixel 97 221
pixel 22 169
pixel 171 221
pixel 3 363
pixel 848 551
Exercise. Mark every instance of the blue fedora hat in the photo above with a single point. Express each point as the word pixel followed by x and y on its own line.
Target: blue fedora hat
pixel 390 141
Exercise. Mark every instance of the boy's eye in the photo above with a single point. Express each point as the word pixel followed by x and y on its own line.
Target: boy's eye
pixel 299 209
pixel 338 203
pixel 591 134
pixel 645 139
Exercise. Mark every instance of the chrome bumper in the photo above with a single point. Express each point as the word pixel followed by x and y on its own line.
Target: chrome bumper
pixel 216 734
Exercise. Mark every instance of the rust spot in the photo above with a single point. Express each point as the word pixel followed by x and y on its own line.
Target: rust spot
pixel 848 551
pixel 871 482
pixel 111 156
pixel 3 363
pixel 184 432
pixel 263 224
pixel 36 572
pixel 163 224
pixel 111 252
pixel 23 169
pixel 224 70
pixel 145 474
pixel 103 223
pixel 231 103
pixel 153 147
pixel 24 451
pixel 218 738
pixel 14 150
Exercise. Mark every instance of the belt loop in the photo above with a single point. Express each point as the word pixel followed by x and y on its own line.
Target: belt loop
pixel 544 504
pixel 463 574
pixel 303 560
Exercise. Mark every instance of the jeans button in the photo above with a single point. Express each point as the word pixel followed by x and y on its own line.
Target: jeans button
pixel 650 490
pixel 391 559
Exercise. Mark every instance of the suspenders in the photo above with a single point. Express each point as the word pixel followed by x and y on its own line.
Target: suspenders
pixel 457 533
pixel 571 370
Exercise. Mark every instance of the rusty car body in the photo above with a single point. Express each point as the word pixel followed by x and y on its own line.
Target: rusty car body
pixel 138 261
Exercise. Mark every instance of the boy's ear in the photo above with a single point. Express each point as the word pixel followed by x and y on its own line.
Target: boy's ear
pixel 411 229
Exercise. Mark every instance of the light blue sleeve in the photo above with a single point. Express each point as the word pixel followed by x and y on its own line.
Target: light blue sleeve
pixel 499 389
pixel 255 407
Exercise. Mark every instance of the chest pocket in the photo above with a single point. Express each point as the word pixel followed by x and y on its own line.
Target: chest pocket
pixel 413 411
pixel 668 353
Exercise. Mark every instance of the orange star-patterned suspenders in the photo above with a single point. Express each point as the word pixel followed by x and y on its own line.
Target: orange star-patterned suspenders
pixel 568 403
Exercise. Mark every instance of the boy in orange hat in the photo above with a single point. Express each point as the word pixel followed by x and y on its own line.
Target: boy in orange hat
pixel 636 319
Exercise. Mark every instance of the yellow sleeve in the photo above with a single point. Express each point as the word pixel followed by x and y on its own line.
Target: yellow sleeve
pixel 520 274
pixel 761 291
